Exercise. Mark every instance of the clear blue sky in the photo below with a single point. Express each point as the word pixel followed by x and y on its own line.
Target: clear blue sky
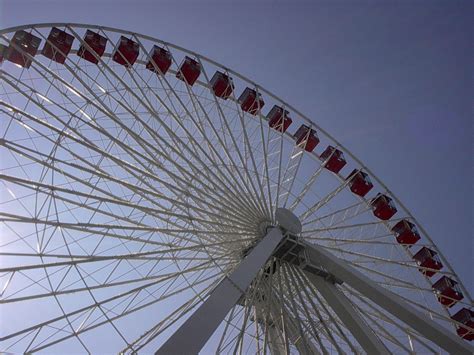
pixel 391 80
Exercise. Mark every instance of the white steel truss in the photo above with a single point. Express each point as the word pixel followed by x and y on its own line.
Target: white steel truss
pixel 127 193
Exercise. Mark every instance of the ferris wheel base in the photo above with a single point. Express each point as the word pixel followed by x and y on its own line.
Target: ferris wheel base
pixel 193 334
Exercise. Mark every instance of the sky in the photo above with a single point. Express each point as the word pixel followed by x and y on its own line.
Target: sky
pixel 391 80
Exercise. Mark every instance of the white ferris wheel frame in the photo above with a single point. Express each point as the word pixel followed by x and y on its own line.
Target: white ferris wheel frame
pixel 317 256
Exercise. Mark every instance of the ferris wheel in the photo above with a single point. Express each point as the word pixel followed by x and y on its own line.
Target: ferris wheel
pixel 153 200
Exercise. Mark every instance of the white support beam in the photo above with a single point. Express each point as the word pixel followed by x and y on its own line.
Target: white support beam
pixel 274 335
pixel 300 341
pixel 276 340
pixel 348 315
pixel 197 329
pixel 392 303
pixel 295 334
pixel 275 331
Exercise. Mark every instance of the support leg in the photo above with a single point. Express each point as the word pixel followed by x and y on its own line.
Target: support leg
pixel 389 301
pixel 302 344
pixel 348 315
pixel 275 335
pixel 197 329
pixel 273 325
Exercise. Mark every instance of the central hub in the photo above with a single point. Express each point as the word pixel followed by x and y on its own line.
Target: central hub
pixel 288 221
pixel 290 248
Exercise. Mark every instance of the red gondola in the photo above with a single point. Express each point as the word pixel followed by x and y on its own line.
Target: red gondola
pixel 335 159
pixel 160 60
pixel 251 102
pixel 97 44
pixel 58 45
pixel 359 183
pixel 22 43
pixel 465 316
pixel 278 119
pixel 383 207
pixel 189 71
pixel 406 232
pixel 222 85
pixel 429 260
pixel 306 138
pixel 448 291
pixel 127 52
